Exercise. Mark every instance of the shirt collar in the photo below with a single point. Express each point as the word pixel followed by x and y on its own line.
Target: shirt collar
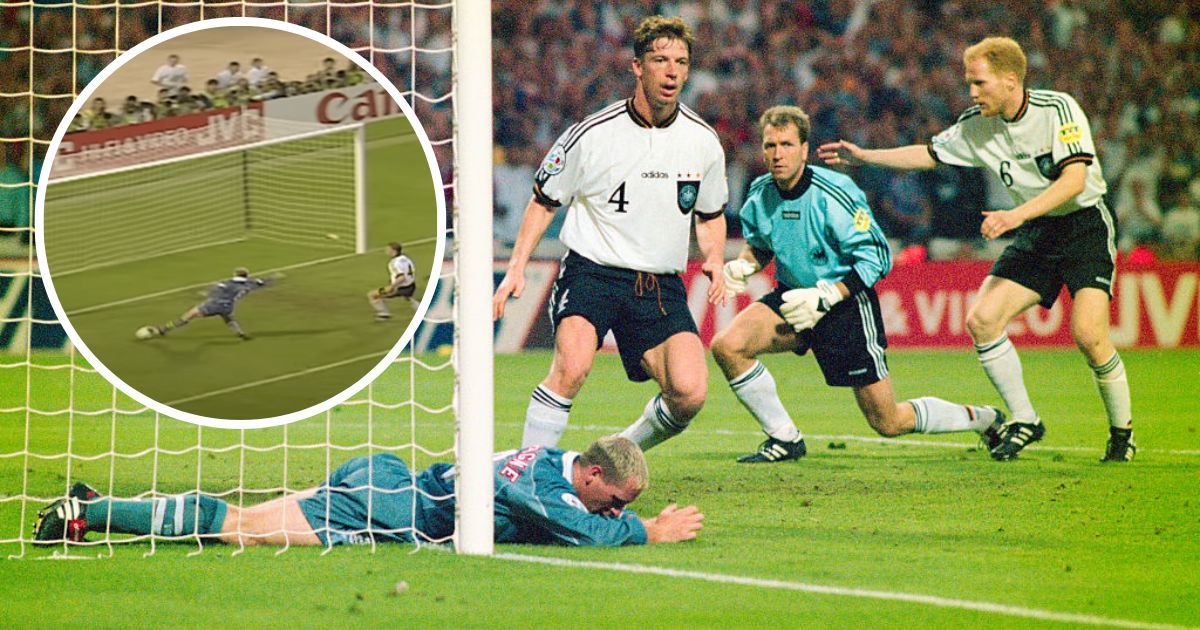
pixel 1021 111
pixel 800 188
pixel 640 121
pixel 568 464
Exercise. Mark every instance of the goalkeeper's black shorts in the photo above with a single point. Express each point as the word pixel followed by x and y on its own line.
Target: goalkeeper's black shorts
pixel 848 342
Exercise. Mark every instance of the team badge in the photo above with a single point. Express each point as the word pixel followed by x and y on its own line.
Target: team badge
pixel 1045 165
pixel 862 219
pixel 1070 132
pixel 689 191
pixel 555 160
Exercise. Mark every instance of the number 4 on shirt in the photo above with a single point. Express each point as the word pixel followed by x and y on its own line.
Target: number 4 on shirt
pixel 618 197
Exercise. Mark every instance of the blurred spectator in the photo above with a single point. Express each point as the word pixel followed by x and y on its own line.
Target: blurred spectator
pixel 354 74
pixel 1139 216
pixel 230 75
pixel 213 96
pixel 257 73
pixel 171 75
pixel 1181 229
pixel 904 209
pixel 328 72
pixel 97 116
pixel 512 176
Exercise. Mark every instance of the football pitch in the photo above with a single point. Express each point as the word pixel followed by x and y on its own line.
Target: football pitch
pixel 863 532
pixel 313 331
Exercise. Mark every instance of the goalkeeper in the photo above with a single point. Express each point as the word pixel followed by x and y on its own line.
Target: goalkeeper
pixel 542 496
pixel 221 300
pixel 828 252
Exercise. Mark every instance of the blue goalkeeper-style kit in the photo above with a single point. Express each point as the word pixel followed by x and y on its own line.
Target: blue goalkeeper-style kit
pixel 222 296
pixel 823 229
pixel 378 498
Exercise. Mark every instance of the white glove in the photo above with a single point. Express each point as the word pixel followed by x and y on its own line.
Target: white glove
pixel 736 271
pixel 803 308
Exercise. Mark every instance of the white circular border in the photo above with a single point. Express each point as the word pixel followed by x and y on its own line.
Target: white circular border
pixel 48 282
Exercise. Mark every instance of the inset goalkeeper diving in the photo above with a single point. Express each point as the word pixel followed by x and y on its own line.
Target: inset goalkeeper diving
pixel 131 248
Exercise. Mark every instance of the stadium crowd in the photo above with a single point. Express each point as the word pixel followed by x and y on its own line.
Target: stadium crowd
pixel 228 88
pixel 878 73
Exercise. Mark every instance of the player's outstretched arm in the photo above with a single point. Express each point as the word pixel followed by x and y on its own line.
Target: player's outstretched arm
pixel 537 218
pixel 846 153
pixel 674 524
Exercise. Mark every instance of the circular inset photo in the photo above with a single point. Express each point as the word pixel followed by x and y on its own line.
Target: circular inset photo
pixel 240 222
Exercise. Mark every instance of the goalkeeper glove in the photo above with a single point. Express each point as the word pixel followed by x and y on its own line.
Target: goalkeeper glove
pixel 803 308
pixel 736 271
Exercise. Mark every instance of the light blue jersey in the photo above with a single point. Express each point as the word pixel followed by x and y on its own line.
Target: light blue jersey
pixel 822 229
pixel 379 498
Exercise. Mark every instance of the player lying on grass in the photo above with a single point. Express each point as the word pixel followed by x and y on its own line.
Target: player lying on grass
pixel 543 496
pixel 403 283
pixel 828 252
pixel 222 298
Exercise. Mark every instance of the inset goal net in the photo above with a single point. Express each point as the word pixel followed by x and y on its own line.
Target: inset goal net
pixel 305 190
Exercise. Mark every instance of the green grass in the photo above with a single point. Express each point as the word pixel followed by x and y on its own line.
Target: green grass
pixel 314 335
pixel 1054 531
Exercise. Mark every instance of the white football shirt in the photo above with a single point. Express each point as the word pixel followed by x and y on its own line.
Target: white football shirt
pixel 1027 153
pixel 226 78
pixel 401 268
pixel 631 187
pixel 170 77
pixel 257 74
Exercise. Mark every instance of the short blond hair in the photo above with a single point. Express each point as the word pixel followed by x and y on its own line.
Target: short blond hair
pixel 656 26
pixel 620 459
pixel 1003 54
pixel 783 115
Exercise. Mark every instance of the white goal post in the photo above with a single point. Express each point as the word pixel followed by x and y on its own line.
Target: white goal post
pixel 306 189
pixel 474 394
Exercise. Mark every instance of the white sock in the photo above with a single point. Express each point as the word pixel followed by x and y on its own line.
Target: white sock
pixel 935 415
pixel 655 426
pixel 755 388
pixel 380 308
pixel 1114 391
pixel 545 418
pixel 1002 365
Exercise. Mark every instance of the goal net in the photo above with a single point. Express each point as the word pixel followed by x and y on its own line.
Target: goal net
pixel 304 190
pixel 61 422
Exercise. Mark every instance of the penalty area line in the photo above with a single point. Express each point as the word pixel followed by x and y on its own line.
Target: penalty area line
pixel 205 285
pixel 911 598
pixel 202 285
pixel 276 379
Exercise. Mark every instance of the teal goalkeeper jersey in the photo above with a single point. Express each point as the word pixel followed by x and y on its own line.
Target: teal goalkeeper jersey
pixel 822 229
pixel 535 503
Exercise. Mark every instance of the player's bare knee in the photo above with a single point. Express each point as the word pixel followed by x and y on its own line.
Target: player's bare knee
pixel 982 328
pixel 1094 346
pixel 567 376
pixel 725 349
pixel 885 424
pixel 686 400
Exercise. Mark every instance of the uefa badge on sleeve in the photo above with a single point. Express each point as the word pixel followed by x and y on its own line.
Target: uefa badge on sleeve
pixel 689 190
